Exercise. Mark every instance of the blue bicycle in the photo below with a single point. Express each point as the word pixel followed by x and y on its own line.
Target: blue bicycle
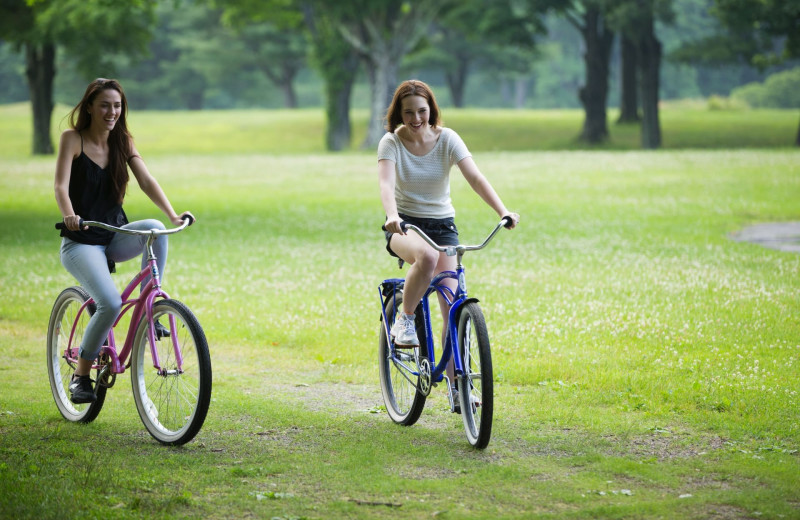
pixel 408 374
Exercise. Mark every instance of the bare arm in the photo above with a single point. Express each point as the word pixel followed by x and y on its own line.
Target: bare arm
pixel 386 179
pixel 484 189
pixel 68 149
pixel 151 188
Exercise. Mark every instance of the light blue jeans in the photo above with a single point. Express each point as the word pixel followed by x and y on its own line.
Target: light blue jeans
pixel 87 263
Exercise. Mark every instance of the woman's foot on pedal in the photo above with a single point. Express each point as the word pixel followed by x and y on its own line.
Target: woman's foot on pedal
pixel 404 331
pixel 81 391
pixel 476 403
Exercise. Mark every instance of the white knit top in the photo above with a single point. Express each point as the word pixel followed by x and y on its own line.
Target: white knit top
pixel 422 186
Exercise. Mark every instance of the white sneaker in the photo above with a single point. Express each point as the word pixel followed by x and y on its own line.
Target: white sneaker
pixel 404 331
pixel 473 400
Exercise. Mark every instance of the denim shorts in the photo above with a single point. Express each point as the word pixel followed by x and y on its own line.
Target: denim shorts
pixel 443 231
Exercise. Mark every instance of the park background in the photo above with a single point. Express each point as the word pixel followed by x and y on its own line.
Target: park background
pixel 646 362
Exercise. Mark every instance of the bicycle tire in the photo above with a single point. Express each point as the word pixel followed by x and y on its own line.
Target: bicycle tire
pixel 59 369
pixel 172 403
pixel 402 397
pixel 476 382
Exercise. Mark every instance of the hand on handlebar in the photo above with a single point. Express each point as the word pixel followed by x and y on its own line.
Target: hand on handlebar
pixel 185 215
pixel 512 219
pixel 73 223
pixel 394 225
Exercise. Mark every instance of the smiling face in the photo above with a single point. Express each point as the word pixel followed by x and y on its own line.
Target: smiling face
pixel 106 109
pixel 416 113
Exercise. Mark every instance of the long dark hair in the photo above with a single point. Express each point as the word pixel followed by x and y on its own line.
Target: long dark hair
pixel 412 87
pixel 119 140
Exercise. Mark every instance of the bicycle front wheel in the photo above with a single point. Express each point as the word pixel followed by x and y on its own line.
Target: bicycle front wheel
pixel 172 381
pixel 475 386
pixel 64 335
pixel 399 373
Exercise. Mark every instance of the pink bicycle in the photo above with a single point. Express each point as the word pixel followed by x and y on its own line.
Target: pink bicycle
pixel 169 360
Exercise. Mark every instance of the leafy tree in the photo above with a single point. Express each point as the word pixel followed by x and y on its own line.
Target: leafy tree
pixel 338 63
pixel 498 35
pixel 589 17
pixel 273 44
pixel 382 32
pixel 764 24
pixel 636 21
pixel 598 35
pixel 334 57
pixel 89 30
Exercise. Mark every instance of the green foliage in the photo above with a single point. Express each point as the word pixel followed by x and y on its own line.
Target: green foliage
pixel 780 90
pixel 65 22
pixel 765 21
pixel 726 103
pixel 12 68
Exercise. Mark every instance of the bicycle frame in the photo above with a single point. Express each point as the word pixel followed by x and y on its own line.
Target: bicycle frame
pixel 454 300
pixel 143 304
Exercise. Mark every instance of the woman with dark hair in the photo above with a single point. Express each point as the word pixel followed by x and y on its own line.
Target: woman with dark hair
pixel 414 162
pixel 91 179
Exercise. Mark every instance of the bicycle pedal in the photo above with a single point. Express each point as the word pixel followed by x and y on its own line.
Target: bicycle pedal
pixel 160 331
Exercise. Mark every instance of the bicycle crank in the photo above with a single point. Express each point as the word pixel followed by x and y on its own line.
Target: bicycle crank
pixel 424 377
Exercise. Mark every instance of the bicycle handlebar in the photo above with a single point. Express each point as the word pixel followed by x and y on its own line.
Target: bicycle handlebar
pixel 452 250
pixel 187 221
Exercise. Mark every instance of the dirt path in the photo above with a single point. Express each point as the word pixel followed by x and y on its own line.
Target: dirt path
pixel 784 236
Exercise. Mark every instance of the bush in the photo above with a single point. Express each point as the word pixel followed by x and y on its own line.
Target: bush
pixel 717 102
pixel 780 90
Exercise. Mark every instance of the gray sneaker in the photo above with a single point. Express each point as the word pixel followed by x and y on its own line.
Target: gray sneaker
pixel 81 391
pixel 404 332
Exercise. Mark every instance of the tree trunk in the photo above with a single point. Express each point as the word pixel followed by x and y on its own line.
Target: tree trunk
pixel 797 141
pixel 382 38
pixel 287 85
pixel 338 63
pixel 520 92
pixel 40 70
pixel 383 80
pixel 649 52
pixel 457 80
pixel 338 86
pixel 629 99
pixel 594 94
pixel 505 91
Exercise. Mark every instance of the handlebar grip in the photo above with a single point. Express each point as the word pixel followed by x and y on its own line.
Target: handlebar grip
pixel 61 225
pixel 189 218
pixel 508 221
pixel 403 226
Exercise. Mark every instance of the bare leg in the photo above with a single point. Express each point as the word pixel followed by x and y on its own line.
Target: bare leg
pixel 84 367
pixel 423 260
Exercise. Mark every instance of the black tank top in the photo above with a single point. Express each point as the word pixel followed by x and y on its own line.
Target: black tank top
pixel 91 195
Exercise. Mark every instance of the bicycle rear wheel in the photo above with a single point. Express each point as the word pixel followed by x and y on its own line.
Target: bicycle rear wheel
pixel 475 386
pixel 61 354
pixel 172 400
pixel 400 374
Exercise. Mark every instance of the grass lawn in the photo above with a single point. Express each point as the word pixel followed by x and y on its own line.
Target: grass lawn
pixel 646 365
